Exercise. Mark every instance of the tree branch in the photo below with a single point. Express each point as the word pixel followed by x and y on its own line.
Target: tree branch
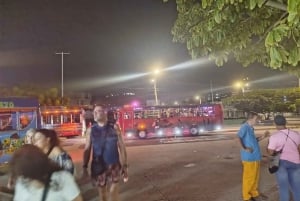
pixel 284 15
pixel 277 5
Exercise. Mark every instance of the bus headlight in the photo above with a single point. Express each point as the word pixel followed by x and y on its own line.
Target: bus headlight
pixel 201 130
pixel 177 131
pixel 218 127
pixel 129 134
pixel 160 133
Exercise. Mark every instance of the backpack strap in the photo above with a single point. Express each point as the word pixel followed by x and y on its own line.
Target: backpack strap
pixel 46 188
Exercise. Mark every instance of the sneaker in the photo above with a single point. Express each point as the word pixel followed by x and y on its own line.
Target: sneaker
pixel 251 199
pixel 259 198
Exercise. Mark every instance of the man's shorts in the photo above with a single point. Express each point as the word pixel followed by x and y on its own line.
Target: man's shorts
pixel 112 174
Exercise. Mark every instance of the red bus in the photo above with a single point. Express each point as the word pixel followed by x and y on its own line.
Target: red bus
pixel 160 121
pixel 66 121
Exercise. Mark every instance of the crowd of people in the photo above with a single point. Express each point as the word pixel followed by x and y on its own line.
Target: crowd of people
pixel 42 170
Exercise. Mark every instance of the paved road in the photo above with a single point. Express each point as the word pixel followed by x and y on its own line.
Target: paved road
pixel 180 169
pixel 204 168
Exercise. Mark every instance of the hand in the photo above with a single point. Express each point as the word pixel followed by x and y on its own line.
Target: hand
pixel 125 173
pixel 267 134
pixel 84 178
pixel 248 149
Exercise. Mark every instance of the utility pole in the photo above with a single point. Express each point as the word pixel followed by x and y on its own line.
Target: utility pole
pixel 62 73
pixel 211 91
pixel 155 91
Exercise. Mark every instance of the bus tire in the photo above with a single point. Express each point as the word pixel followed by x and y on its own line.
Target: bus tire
pixel 142 134
pixel 193 131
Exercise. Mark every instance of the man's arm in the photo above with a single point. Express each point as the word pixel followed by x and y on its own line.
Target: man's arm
pixel 266 134
pixel 87 148
pixel 121 146
pixel 248 149
pixel 271 151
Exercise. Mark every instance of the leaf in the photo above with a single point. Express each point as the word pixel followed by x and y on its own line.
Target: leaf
pixel 196 40
pixel 260 3
pixel 269 39
pixel 277 36
pixel 284 55
pixel 292 16
pixel 220 4
pixel 218 17
pixel 219 61
pixel 274 54
pixel 204 4
pixel 292 6
pixel 252 4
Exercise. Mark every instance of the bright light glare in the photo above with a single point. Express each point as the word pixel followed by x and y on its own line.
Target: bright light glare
pixel 99 82
pixel 160 133
pixel 156 72
pixel 218 127
pixel 129 134
pixel 271 79
pixel 177 131
pixel 188 64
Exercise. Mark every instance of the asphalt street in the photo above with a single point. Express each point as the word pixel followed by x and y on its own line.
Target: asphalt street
pixel 202 168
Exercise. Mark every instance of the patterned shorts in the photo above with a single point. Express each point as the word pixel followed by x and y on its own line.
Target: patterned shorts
pixel 112 174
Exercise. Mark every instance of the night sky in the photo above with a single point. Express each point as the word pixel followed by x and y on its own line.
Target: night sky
pixel 107 41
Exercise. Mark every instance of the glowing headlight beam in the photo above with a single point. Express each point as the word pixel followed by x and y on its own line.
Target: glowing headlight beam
pixel 258 81
pixel 100 82
pixel 188 64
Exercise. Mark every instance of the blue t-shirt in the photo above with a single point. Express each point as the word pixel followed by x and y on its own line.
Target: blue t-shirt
pixel 246 134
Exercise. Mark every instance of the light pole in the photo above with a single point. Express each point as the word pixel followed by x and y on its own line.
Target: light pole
pixel 62 73
pixel 198 98
pixel 154 80
pixel 211 92
pixel 155 91
pixel 240 85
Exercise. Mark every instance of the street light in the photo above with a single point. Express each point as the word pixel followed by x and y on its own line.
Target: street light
pixel 62 73
pixel 154 80
pixel 155 91
pixel 240 85
pixel 198 98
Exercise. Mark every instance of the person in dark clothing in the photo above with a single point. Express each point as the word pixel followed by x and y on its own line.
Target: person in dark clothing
pixel 105 140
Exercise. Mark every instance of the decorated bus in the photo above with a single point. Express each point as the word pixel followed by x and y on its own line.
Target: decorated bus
pixel 66 121
pixel 160 121
pixel 17 116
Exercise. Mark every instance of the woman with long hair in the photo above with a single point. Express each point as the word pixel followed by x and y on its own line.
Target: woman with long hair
pixel 39 178
pixel 47 140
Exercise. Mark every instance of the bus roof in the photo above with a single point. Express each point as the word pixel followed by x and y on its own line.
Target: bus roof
pixel 14 102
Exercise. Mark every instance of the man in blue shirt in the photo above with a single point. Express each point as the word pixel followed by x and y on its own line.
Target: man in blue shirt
pixel 250 156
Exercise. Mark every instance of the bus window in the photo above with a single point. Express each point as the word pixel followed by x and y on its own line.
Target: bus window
pixel 47 119
pixel 25 119
pixel 126 116
pixel 56 119
pixel 5 122
pixel 76 118
pixel 66 118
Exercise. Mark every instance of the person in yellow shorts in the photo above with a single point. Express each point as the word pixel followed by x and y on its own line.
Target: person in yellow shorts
pixel 250 156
